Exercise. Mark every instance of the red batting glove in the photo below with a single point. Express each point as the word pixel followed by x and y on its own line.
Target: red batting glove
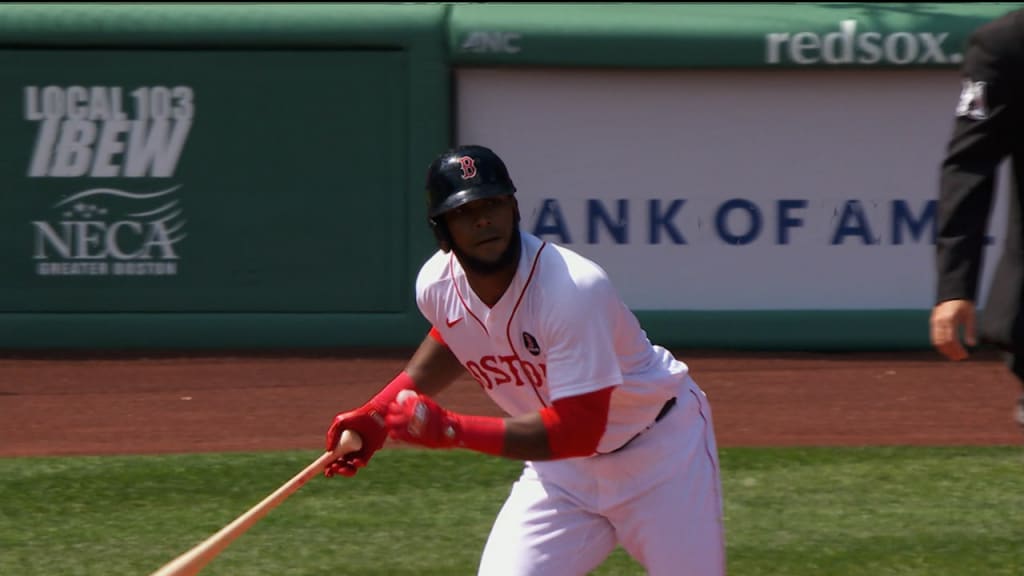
pixel 417 419
pixel 366 421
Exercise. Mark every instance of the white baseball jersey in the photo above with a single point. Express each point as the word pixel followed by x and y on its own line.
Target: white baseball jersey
pixel 559 330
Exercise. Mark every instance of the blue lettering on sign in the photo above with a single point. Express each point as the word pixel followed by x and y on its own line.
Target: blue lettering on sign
pixel 550 209
pixel 722 215
pixel 853 222
pixel 902 214
pixel 663 220
pixel 787 221
pixel 737 221
pixel 618 227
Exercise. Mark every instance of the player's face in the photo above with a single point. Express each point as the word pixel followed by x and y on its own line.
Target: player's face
pixel 483 229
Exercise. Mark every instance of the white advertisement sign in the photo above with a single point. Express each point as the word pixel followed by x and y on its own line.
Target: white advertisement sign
pixel 731 190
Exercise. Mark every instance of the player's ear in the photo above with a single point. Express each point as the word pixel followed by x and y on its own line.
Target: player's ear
pixel 441 235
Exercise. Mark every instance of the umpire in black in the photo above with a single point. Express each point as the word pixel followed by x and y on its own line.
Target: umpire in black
pixel 989 127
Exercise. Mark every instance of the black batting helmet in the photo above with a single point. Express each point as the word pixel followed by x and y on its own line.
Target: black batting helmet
pixel 459 176
pixel 464 174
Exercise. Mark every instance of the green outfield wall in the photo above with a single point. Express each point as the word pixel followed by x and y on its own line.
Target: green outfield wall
pixel 250 176
pixel 721 35
pixel 216 176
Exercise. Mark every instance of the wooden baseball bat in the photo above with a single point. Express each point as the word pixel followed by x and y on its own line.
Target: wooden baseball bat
pixel 191 562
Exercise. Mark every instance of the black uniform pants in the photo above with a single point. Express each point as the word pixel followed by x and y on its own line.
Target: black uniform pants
pixel 1015 362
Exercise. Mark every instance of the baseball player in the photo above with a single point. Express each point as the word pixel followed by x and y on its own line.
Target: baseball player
pixel 617 439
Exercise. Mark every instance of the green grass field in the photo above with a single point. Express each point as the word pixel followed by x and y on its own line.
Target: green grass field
pixel 789 511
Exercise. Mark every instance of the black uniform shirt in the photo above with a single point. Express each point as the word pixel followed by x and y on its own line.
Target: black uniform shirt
pixel 987 129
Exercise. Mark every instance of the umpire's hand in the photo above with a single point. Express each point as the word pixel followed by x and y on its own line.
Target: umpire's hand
pixel 947 319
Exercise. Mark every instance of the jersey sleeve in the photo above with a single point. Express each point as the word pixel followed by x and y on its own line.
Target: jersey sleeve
pixel 437 336
pixel 981 138
pixel 579 325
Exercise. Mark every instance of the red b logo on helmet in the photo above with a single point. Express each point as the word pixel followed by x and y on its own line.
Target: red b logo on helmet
pixel 468 167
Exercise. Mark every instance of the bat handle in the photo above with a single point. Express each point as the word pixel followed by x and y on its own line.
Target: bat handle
pixel 350 442
pixel 191 562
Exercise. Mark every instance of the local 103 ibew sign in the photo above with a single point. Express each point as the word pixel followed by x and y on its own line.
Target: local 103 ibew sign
pixel 114 150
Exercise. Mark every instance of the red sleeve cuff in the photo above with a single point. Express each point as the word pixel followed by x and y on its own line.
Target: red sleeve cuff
pixel 482 433
pixel 383 398
pixel 576 424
